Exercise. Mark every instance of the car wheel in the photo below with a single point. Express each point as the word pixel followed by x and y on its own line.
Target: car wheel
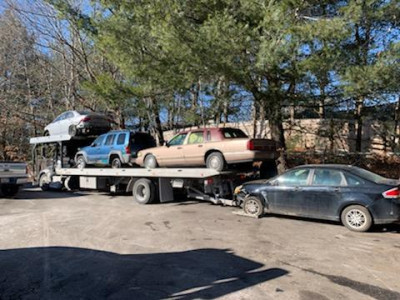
pixel 150 161
pixel 215 161
pixel 46 133
pixel 356 218
pixel 44 182
pixel 9 190
pixel 72 131
pixel 143 191
pixel 80 162
pixel 253 206
pixel 116 163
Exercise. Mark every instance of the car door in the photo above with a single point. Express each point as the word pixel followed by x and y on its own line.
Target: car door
pixel 172 154
pixel 193 150
pixel 56 125
pixel 64 123
pixel 106 149
pixel 93 152
pixel 324 194
pixel 286 194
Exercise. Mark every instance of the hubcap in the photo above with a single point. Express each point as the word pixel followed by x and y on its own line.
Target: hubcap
pixel 214 163
pixel 141 192
pixel 252 207
pixel 116 163
pixel 356 218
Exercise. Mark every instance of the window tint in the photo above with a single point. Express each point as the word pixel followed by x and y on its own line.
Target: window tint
pixel 327 177
pixel 208 135
pixel 353 180
pixel 294 178
pixel 177 140
pixel 69 115
pixel 143 139
pixel 196 137
pixel 230 133
pixel 99 140
pixel 110 139
pixel 121 139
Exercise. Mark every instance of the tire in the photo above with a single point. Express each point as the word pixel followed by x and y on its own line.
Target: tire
pixel 80 162
pixel 143 191
pixel 356 218
pixel 9 190
pixel 44 183
pixel 216 161
pixel 72 131
pixel 253 206
pixel 46 133
pixel 150 162
pixel 116 162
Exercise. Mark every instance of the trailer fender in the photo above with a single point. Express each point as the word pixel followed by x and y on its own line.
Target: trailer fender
pixel 130 184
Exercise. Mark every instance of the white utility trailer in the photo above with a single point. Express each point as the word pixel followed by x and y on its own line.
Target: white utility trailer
pixel 146 185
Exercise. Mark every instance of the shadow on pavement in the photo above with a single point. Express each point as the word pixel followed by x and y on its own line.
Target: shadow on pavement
pixel 38 194
pixel 76 273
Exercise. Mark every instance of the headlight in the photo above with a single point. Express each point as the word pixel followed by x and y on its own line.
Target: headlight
pixel 139 154
pixel 238 189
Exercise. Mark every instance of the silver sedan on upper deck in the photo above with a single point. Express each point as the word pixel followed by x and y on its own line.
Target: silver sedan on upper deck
pixel 78 123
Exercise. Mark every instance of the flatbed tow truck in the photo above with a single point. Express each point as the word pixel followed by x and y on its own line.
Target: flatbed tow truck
pixel 54 168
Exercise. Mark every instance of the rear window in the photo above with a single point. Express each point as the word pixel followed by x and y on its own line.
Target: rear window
pixel 230 133
pixel 370 176
pixel 143 139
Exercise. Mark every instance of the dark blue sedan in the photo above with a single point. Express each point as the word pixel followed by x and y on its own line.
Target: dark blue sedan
pixel 356 197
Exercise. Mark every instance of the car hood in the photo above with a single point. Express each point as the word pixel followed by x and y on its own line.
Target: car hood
pixel 257 182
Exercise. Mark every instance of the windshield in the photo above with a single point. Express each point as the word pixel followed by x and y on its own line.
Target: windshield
pixel 83 113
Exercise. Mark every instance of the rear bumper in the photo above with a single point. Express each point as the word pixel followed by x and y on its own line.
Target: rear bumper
pixel 14 180
pixel 249 156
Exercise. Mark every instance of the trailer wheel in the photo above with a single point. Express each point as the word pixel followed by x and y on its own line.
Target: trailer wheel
pixel 9 190
pixel 253 206
pixel 44 182
pixel 143 191
pixel 80 162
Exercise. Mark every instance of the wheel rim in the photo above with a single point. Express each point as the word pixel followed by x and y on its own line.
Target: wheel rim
pixel 356 218
pixel 150 162
pixel 116 163
pixel 141 192
pixel 81 163
pixel 252 207
pixel 215 162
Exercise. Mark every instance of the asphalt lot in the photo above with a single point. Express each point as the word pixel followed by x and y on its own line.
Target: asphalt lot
pixel 57 245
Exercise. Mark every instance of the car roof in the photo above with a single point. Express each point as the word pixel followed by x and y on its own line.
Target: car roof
pixel 327 166
pixel 207 128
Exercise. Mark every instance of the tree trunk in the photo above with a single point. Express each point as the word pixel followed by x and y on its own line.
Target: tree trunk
pixel 359 123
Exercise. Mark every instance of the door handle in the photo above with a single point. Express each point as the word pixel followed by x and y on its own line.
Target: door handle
pixel 199 146
pixel 179 148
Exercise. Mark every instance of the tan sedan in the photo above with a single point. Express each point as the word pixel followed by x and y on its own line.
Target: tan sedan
pixel 212 147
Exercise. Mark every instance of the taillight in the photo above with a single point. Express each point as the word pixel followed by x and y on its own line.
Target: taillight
pixel 128 150
pixel 209 181
pixel 250 145
pixel 86 119
pixel 392 194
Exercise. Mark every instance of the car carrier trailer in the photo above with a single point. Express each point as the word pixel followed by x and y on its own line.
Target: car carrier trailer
pixel 53 169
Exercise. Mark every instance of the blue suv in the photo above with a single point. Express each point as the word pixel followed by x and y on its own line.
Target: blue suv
pixel 114 149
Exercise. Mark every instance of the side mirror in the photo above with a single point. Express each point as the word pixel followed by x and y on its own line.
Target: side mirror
pixel 93 145
pixel 166 144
